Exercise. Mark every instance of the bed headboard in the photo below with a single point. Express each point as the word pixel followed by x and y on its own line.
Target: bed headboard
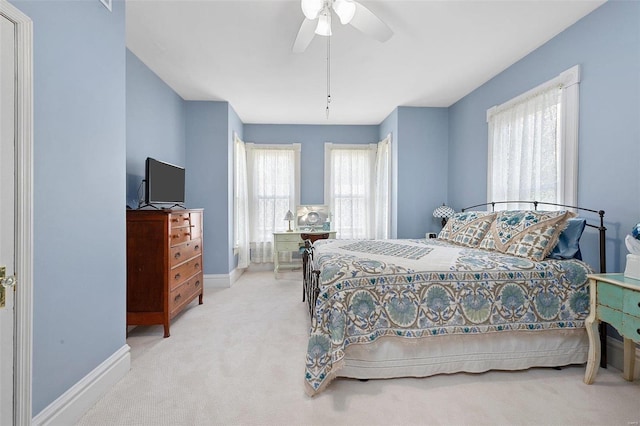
pixel 598 225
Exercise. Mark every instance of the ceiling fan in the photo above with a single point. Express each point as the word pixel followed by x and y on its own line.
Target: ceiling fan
pixel 348 11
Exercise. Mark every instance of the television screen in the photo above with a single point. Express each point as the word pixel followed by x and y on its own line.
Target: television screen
pixel 164 182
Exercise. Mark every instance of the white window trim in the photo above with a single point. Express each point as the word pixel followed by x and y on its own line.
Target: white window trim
pixel 569 81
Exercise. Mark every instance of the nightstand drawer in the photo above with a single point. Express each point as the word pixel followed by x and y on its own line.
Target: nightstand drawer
pixel 288 245
pixel 288 238
pixel 631 328
pixel 610 295
pixel 631 304
pixel 611 316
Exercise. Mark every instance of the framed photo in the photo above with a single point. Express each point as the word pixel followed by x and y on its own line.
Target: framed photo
pixel 312 217
pixel 107 4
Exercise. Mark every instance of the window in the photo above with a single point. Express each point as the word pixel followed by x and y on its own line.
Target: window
pixel 273 176
pixel 533 144
pixel 357 186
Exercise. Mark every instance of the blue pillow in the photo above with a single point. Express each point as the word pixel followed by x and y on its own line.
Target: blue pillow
pixel 568 243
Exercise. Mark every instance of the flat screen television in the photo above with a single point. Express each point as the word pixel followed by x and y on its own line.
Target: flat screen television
pixel 164 182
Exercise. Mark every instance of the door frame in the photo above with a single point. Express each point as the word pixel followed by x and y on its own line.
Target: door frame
pixel 22 394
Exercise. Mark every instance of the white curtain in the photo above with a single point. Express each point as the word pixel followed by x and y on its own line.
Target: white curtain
pixel 241 203
pixel 525 151
pixel 272 192
pixel 382 190
pixel 350 189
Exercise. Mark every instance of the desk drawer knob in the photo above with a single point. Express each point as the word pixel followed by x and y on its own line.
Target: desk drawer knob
pixel 638 330
pixel 177 276
pixel 638 304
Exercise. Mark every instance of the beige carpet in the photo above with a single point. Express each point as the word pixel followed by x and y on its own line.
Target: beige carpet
pixel 239 360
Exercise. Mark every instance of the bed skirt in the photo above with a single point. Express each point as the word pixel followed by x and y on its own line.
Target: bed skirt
pixel 397 357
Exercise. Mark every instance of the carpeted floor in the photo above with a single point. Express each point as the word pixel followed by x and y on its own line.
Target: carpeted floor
pixel 238 359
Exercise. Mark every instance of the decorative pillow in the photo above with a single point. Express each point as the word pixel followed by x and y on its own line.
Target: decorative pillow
pixel 467 228
pixel 568 246
pixel 525 233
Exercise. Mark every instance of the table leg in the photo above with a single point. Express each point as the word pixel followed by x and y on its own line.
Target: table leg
pixel 629 359
pixel 593 360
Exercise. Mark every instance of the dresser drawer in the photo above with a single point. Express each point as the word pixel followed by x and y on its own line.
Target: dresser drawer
pixel 610 295
pixel 631 304
pixel 177 220
pixel 183 294
pixel 184 271
pixel 185 251
pixel 179 235
pixel 631 327
pixel 282 238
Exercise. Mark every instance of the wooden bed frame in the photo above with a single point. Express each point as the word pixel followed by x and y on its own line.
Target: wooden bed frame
pixel 311 275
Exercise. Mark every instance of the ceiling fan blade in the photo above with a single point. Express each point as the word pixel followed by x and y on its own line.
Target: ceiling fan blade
pixel 305 35
pixel 365 21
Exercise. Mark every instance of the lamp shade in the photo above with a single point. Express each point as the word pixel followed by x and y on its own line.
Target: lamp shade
pixel 324 24
pixel 443 212
pixel 288 216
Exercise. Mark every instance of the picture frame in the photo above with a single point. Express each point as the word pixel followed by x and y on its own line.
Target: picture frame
pixel 312 217
pixel 107 4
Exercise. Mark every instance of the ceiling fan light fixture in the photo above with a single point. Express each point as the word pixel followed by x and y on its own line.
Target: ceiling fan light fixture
pixel 312 8
pixel 324 25
pixel 345 9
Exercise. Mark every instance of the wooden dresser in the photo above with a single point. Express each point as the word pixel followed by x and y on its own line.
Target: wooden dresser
pixel 164 264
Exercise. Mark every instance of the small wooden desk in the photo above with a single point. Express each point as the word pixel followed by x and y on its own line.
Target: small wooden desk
pixel 615 299
pixel 292 242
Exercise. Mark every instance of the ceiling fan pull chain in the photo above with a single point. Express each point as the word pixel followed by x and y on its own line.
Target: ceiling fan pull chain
pixel 328 74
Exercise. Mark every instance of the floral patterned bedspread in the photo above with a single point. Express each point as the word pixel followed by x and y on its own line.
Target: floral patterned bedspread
pixel 419 288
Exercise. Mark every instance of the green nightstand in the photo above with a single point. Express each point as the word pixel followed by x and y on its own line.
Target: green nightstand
pixel 615 299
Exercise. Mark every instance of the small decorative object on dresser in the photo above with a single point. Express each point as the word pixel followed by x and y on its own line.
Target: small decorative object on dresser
pixel 615 299
pixel 164 264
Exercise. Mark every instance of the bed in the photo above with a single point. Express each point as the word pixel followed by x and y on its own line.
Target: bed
pixel 501 290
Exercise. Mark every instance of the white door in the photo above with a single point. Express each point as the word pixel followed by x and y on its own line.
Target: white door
pixel 7 214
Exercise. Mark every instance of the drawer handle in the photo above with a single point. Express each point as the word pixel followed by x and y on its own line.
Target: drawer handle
pixel 178 297
pixel 197 247
pixel 187 233
pixel 638 330
pixel 638 304
pixel 197 284
pixel 197 266
pixel 177 255
pixel 177 277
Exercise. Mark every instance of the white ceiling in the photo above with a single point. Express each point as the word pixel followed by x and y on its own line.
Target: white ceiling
pixel 240 51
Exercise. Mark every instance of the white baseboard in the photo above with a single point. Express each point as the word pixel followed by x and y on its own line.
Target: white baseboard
pixel 615 355
pixel 71 405
pixel 222 280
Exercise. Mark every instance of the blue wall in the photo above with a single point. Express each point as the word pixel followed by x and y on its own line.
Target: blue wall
pixel 79 187
pixel 606 44
pixel 312 139
pixel 207 179
pixel 422 140
pixel 155 124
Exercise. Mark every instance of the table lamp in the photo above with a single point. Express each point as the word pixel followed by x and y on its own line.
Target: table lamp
pixel 289 217
pixel 443 212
